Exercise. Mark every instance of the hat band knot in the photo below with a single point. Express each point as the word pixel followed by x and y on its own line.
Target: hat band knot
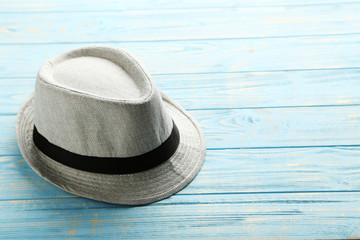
pixel 110 165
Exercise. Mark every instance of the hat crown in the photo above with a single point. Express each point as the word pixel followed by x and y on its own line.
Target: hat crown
pixel 99 101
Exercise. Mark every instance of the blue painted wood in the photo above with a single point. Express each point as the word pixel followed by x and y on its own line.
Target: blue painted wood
pixel 236 171
pixel 232 55
pixel 227 216
pixel 278 100
pixel 185 24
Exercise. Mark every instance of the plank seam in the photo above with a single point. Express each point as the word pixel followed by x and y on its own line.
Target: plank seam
pixel 206 194
pixel 250 108
pixel 233 72
pixel 181 40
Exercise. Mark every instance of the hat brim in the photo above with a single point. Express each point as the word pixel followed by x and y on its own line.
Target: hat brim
pixel 131 189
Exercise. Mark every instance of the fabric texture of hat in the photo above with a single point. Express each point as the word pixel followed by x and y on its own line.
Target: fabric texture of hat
pixel 98 127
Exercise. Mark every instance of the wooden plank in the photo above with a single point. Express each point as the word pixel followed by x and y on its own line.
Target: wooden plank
pixel 231 216
pixel 180 24
pixel 241 171
pixel 280 127
pixel 235 55
pixel 249 128
pixel 233 90
pixel 83 5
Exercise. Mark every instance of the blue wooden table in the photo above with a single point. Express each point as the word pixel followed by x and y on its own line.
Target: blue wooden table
pixel 275 85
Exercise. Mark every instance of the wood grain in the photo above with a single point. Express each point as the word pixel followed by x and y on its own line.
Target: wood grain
pixel 235 55
pixel 233 90
pixel 180 24
pixel 280 127
pixel 230 216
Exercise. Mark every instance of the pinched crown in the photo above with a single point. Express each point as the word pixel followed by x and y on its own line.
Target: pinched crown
pixel 80 107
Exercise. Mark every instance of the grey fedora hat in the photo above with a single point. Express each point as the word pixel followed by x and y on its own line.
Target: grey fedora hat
pixel 98 127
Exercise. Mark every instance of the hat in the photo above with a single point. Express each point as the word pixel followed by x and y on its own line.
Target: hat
pixel 98 127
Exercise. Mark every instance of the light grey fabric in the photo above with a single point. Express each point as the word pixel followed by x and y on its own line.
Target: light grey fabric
pixel 131 189
pixel 86 74
pixel 61 109
pixel 86 122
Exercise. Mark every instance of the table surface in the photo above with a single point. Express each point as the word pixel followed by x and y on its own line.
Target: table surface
pixel 274 84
